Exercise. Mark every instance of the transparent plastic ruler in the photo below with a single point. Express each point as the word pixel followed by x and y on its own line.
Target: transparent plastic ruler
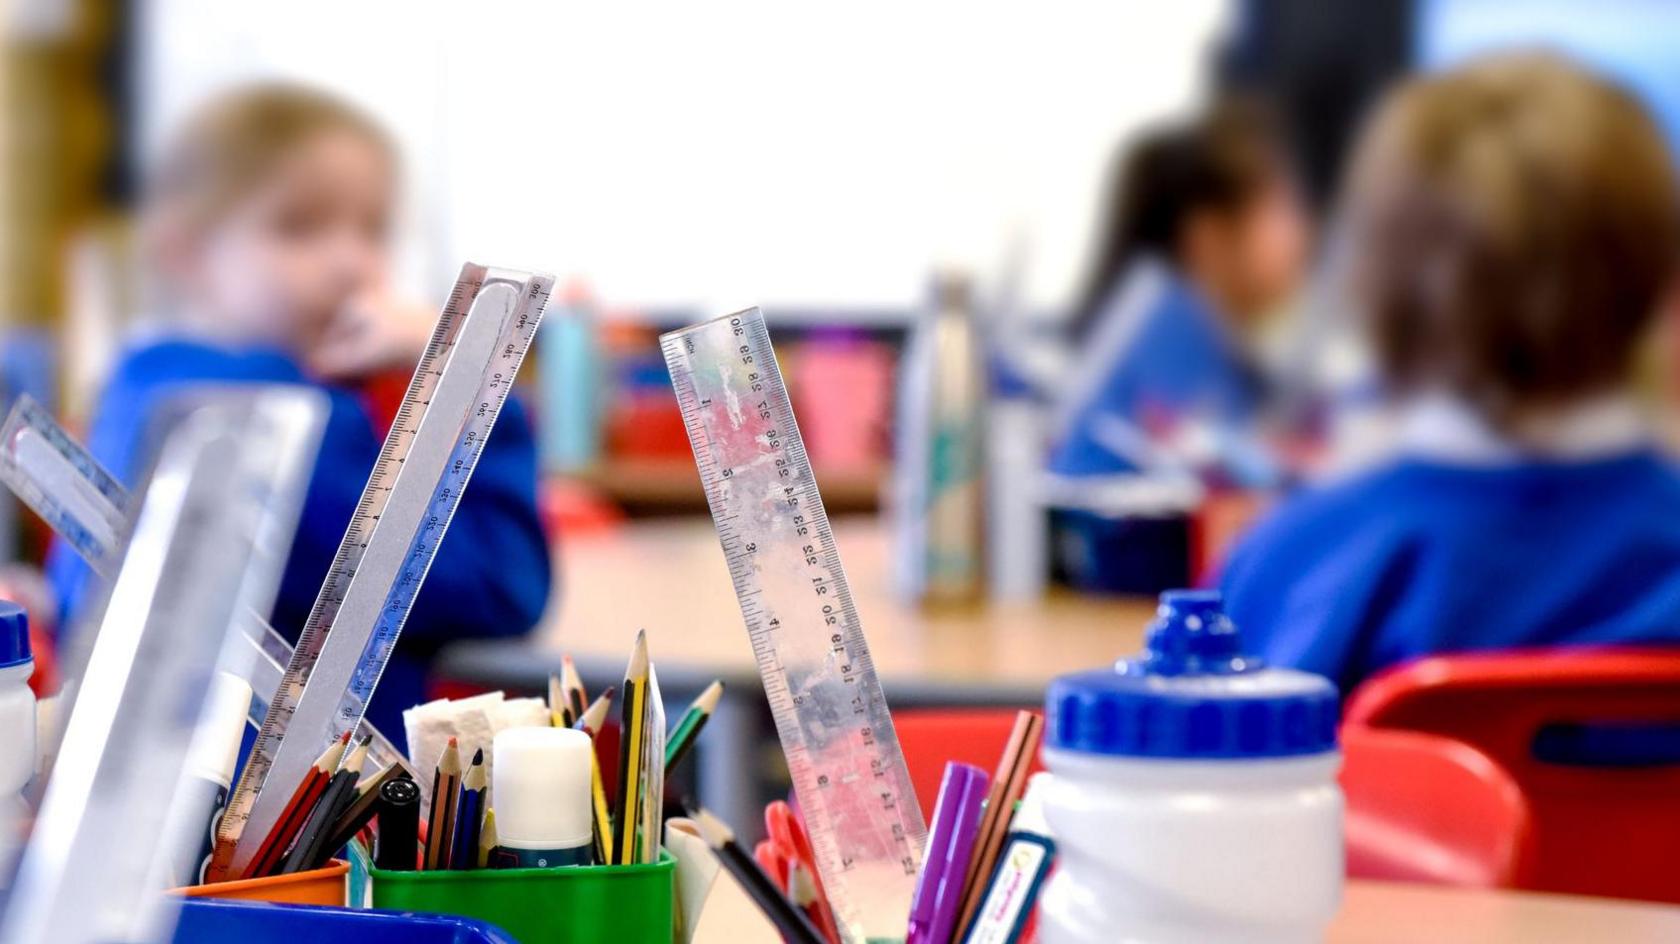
pixel 457 392
pixel 209 542
pixel 62 482
pixel 854 790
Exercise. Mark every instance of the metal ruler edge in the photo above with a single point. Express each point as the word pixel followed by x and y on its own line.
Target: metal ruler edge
pixel 251 810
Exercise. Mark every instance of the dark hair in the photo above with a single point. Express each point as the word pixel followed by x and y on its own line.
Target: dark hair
pixel 1515 225
pixel 1218 160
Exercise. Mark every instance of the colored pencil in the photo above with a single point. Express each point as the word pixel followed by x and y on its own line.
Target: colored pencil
pixel 311 849
pixel 362 806
pixel 571 685
pixel 559 710
pixel 440 826
pixel 596 714
pixel 688 727
pixel 486 838
pixel 297 810
pixel 1008 782
pixel 469 814
pixel 794 925
pixel 589 723
pixel 633 716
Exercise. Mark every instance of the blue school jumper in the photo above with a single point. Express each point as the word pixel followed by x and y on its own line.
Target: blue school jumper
pixel 491 576
pixel 1425 555
pixel 1159 353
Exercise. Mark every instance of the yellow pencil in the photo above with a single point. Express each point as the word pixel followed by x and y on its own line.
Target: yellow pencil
pixel 559 710
pixel 486 839
pixel 633 717
pixel 590 724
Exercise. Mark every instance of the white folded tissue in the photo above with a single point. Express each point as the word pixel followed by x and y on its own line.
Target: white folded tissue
pixel 472 722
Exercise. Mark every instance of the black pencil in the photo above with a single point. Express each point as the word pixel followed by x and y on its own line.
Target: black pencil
pixel 311 846
pixel 793 924
pixel 633 718
pixel 359 812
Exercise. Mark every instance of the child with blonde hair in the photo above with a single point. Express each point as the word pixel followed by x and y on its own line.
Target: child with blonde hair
pixel 266 233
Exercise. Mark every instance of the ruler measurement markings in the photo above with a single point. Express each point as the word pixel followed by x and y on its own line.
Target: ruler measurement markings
pixel 447 452
pixel 860 820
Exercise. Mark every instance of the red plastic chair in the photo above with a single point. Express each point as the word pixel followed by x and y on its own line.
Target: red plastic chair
pixel 1599 830
pixel 1424 808
pixel 931 736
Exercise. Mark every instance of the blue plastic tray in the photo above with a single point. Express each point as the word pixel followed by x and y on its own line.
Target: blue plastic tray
pixel 209 921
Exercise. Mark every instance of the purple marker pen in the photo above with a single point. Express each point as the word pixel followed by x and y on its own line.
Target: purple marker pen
pixel 956 818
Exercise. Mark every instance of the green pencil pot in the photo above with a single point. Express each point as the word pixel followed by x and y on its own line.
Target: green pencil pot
pixel 597 904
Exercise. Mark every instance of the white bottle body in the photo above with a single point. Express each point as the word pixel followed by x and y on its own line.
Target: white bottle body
pixel 1164 851
pixel 17 729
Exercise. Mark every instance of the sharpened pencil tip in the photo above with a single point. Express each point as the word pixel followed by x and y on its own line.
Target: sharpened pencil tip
pixel 478 756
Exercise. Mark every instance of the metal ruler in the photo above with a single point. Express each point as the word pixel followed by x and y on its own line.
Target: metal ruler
pixel 60 480
pixel 210 541
pixel 854 791
pixel 457 392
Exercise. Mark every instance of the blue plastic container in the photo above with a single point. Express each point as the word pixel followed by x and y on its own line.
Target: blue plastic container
pixel 214 921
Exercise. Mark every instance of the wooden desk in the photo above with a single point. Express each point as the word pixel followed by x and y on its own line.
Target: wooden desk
pixel 670 578
pixel 1375 913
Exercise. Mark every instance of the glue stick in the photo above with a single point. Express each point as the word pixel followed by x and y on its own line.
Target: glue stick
pixel 541 789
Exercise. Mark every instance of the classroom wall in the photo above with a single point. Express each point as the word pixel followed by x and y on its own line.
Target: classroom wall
pixel 805 157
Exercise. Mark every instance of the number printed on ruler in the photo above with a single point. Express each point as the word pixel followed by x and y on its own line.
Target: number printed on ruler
pixel 428 458
pixel 842 753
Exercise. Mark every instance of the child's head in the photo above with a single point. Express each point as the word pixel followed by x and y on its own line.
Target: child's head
pixel 1514 230
pixel 1216 197
pixel 269 210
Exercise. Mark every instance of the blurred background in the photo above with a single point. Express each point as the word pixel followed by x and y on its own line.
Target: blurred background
pixel 940 170
pixel 1067 297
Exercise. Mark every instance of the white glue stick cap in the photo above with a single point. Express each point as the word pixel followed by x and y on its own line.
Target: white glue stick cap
pixel 215 743
pixel 540 788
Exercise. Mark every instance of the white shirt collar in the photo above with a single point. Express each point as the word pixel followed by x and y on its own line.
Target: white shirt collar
pixel 1439 426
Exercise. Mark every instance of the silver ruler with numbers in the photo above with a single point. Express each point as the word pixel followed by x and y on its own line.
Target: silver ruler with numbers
pixel 209 543
pixel 445 418
pixel 60 480
pixel 854 790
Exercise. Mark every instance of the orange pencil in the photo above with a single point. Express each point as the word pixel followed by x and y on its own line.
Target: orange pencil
pixel 297 810
pixel 440 829
pixel 1008 783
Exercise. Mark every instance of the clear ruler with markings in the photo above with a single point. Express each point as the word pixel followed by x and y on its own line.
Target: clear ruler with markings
pixel 429 455
pixel 209 542
pixel 60 480
pixel 854 790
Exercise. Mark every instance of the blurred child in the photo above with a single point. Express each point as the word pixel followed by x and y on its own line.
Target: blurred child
pixel 1514 228
pixel 1205 236
pixel 266 231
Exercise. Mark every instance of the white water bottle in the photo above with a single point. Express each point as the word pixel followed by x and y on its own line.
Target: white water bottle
pixel 17 726
pixel 17 702
pixel 1193 793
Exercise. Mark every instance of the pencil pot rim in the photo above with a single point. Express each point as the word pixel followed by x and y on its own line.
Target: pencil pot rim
pixel 585 904
pixel 322 886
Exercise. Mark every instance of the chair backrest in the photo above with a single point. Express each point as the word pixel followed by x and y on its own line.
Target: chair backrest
pixel 1588 734
pixel 929 737
pixel 1425 808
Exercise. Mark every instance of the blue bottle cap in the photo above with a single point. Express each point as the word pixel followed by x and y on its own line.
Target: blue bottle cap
pixel 1192 694
pixel 14 635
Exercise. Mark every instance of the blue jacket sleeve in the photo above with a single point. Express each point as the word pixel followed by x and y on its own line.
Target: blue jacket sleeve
pixel 492 573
